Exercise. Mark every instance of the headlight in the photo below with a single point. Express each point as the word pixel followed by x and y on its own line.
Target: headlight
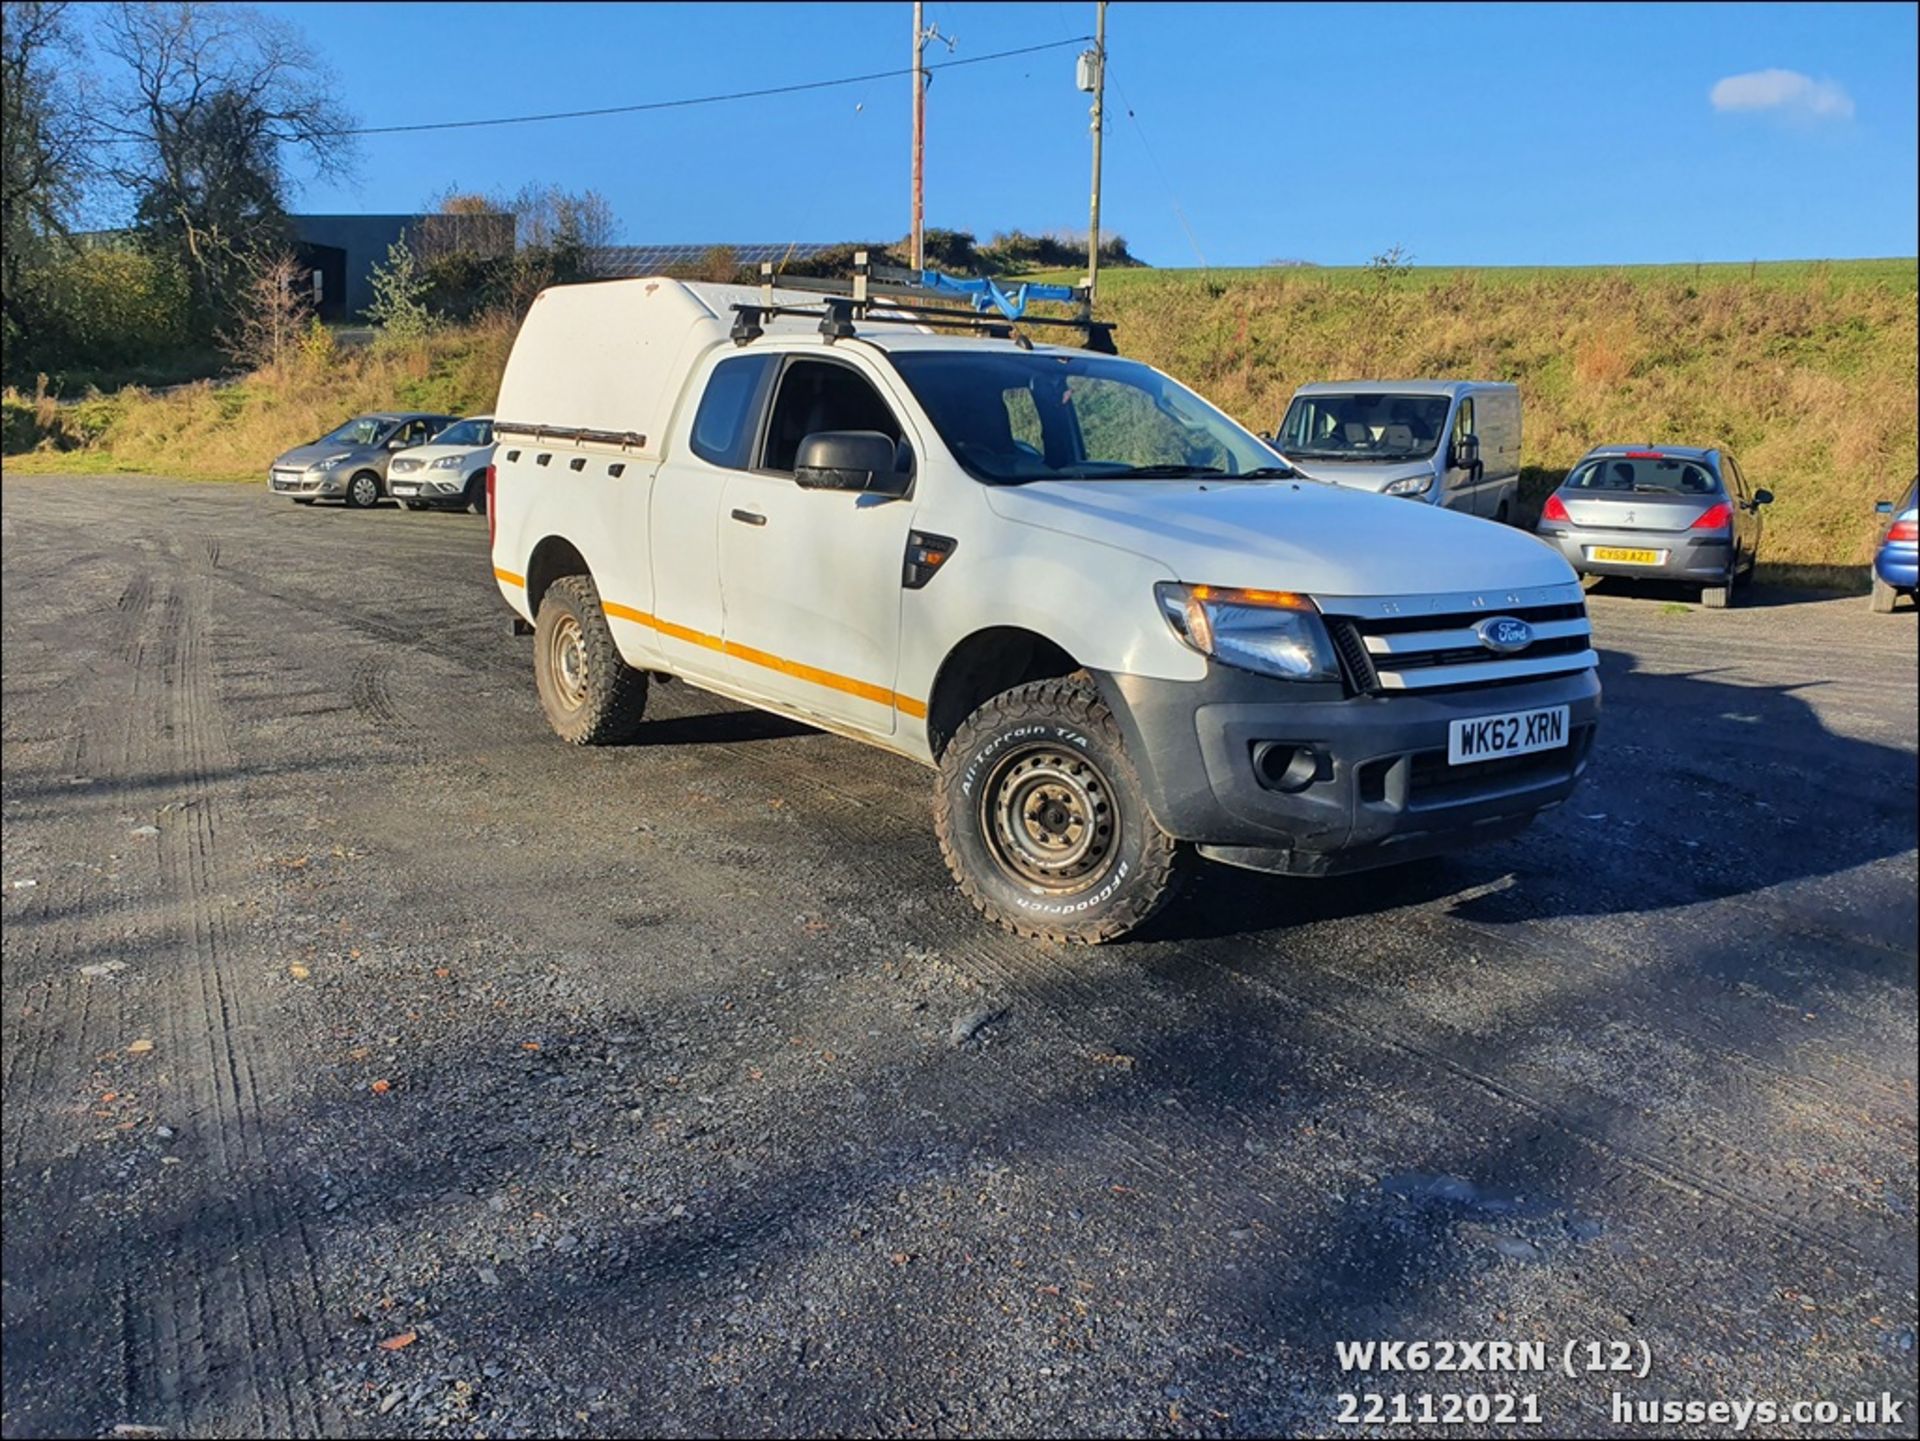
pixel 331 461
pixel 1272 632
pixel 1409 485
pixel 446 462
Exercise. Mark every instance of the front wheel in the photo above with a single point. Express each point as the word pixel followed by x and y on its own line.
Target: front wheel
pixel 591 696
pixel 1042 819
pixel 363 491
pixel 476 494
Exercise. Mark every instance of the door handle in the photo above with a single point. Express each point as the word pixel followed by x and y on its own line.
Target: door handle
pixel 748 517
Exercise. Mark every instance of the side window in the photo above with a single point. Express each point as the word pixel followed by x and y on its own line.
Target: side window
pixel 1737 476
pixel 1023 416
pixel 818 395
pixel 723 426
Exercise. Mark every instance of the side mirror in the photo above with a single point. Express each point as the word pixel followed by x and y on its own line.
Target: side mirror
pixel 857 460
pixel 396 444
pixel 1466 452
pixel 1763 497
pixel 1883 507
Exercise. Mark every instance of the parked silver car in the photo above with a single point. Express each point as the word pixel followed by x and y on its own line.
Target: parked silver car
pixel 1669 513
pixel 350 464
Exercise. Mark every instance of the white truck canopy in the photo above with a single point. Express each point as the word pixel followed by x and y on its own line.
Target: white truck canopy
pixel 604 362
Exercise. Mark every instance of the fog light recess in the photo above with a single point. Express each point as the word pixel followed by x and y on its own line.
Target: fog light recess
pixel 1283 766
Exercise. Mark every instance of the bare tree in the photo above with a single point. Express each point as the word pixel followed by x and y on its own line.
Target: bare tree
pixel 271 318
pixel 216 99
pixel 43 139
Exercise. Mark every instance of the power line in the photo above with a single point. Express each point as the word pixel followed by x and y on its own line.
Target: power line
pixel 1172 199
pixel 710 99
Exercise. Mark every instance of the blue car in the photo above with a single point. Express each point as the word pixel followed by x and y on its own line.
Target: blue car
pixel 1896 565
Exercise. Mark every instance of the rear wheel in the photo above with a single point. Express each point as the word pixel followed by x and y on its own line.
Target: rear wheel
pixel 1883 597
pixel 363 491
pixel 590 695
pixel 476 494
pixel 1502 516
pixel 411 505
pixel 1042 821
pixel 1719 597
pixel 303 500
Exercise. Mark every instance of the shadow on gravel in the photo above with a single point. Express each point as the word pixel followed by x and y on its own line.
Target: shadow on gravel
pixel 1698 790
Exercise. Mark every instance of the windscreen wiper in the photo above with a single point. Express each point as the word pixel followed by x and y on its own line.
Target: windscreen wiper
pixel 1158 472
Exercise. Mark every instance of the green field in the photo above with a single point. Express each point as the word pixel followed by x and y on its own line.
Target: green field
pixel 1806 370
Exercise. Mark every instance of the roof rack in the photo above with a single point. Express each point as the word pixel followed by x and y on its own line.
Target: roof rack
pixel 888 295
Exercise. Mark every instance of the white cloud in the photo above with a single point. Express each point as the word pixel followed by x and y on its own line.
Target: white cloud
pixel 1787 91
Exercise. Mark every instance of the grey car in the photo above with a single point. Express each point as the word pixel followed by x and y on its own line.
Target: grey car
pixel 350 464
pixel 1670 512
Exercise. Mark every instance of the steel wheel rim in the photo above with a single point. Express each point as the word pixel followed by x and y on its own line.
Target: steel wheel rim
pixel 567 661
pixel 1050 819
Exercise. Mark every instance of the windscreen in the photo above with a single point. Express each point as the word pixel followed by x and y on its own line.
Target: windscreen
pixel 1364 427
pixel 1630 475
pixel 1009 418
pixel 364 431
pixel 465 432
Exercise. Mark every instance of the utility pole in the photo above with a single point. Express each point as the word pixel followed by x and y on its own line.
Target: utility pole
pixel 916 245
pixel 1099 98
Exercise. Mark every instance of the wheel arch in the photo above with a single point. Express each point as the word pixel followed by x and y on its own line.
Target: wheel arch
pixel 552 558
pixel 984 664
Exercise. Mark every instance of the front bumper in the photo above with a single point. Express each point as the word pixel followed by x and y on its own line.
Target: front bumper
pixel 1898 566
pixel 1380 790
pixel 425 488
pixel 306 483
pixel 1703 558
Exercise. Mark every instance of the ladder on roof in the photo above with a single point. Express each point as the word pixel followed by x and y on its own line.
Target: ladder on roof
pixel 885 294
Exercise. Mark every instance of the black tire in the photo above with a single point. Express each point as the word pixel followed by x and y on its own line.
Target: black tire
pixel 1503 516
pixel 303 500
pixel 476 494
pixel 1882 598
pixel 1719 597
pixel 1042 820
pixel 411 505
pixel 590 695
pixel 363 491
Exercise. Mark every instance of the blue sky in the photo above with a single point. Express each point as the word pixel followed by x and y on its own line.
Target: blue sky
pixel 1487 134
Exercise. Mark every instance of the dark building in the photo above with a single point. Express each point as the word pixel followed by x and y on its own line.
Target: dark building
pixel 341 251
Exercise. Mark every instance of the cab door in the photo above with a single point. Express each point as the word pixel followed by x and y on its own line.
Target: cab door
pixel 811 580
pixel 1460 483
pixel 684 513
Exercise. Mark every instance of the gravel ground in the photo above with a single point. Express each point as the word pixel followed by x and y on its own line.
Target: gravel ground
pixel 377 1065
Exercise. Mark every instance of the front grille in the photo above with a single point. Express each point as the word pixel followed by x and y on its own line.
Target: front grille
pixel 1430 644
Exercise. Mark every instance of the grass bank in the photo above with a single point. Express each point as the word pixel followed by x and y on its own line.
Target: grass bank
pixel 1807 370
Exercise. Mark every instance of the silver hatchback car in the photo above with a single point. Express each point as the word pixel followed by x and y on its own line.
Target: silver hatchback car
pixel 350 464
pixel 1666 512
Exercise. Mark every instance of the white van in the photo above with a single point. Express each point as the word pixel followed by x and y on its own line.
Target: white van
pixel 1454 443
pixel 1114 624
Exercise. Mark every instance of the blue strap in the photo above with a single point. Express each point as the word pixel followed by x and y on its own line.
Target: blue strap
pixel 986 294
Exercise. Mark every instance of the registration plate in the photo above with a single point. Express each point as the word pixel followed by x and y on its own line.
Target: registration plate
pixel 1619 555
pixel 1517 733
pixel 404 489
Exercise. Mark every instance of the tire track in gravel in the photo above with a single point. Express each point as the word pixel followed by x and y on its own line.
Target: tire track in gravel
pixel 214 1325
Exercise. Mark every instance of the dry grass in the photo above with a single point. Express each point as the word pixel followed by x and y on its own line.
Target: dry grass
pixel 1807 372
pixel 230 432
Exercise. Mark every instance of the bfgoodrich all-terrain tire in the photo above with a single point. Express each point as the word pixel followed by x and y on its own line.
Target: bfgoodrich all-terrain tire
pixel 591 696
pixel 1040 815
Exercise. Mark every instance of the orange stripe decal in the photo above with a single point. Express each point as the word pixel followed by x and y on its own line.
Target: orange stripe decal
pixel 813 675
pixel 509 577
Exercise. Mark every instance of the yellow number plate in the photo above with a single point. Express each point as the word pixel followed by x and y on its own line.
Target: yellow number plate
pixel 1620 556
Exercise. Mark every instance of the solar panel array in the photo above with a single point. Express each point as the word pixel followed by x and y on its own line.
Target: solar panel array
pixel 615 261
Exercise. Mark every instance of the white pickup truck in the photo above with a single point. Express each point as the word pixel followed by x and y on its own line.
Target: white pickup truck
pixel 1117 625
